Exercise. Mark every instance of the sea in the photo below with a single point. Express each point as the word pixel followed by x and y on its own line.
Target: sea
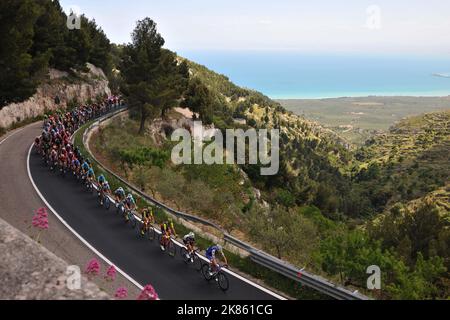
pixel 297 75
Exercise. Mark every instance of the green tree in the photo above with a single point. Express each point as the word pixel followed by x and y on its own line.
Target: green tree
pixel 154 79
pixel 50 32
pixel 18 67
pixel 199 99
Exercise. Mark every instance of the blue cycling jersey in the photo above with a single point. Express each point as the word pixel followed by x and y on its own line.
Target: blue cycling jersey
pixel 120 192
pixel 85 166
pixel 211 252
pixel 90 172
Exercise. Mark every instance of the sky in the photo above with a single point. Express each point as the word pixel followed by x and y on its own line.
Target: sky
pixel 377 26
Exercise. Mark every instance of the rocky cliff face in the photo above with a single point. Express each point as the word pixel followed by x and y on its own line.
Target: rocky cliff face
pixel 86 86
pixel 28 271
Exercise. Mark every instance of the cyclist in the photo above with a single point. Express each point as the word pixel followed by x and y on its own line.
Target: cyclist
pixel 53 156
pixel 211 256
pixel 85 166
pixel 147 213
pixel 189 241
pixel 167 229
pixel 147 219
pixel 90 175
pixel 100 180
pixel 105 190
pixel 119 195
pixel 75 165
pixel 63 158
pixel 130 204
pixel 38 144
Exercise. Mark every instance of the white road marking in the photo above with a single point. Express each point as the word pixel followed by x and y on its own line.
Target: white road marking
pixel 12 134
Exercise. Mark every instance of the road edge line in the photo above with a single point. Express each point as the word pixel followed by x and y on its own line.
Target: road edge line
pixel 12 134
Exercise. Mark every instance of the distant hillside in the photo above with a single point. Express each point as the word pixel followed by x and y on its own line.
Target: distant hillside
pixel 408 162
pixel 312 157
pixel 356 119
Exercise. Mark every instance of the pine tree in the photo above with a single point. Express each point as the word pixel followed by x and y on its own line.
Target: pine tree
pixel 18 67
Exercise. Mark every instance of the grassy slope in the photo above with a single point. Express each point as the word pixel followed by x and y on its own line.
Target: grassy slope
pixel 408 162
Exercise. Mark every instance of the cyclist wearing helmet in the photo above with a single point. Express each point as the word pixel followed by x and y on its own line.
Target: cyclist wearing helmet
pixel 75 165
pixel 85 166
pixel 167 229
pixel 100 180
pixel 119 195
pixel 53 156
pixel 130 204
pixel 63 158
pixel 211 256
pixel 90 175
pixel 105 190
pixel 147 219
pixel 189 241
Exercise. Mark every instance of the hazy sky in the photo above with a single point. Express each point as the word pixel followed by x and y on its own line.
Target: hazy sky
pixel 388 26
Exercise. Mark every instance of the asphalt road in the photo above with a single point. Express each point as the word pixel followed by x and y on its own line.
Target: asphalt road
pixel 140 258
pixel 19 200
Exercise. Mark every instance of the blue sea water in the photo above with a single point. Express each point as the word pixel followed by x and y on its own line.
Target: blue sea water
pixel 280 74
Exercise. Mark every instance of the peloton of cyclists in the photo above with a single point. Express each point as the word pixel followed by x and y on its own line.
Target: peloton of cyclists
pixel 55 147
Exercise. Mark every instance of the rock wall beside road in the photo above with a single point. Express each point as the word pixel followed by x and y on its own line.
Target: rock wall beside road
pixel 88 86
pixel 30 271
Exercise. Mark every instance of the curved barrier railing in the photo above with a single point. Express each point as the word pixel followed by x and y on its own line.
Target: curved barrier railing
pixel 282 267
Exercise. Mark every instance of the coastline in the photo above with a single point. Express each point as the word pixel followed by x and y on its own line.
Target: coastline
pixel 361 96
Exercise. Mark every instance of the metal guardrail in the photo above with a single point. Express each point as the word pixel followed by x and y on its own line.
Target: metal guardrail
pixel 282 267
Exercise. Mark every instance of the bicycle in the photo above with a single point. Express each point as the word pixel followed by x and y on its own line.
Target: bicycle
pixel 219 276
pixel 170 247
pixel 129 217
pixel 103 199
pixel 149 232
pixel 120 207
pixel 88 184
pixel 191 258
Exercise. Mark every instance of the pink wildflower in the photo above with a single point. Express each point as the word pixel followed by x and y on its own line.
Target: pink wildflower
pixel 111 273
pixel 40 219
pixel 148 293
pixel 93 267
pixel 121 293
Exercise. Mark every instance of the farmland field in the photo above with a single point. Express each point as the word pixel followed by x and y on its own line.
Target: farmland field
pixel 358 118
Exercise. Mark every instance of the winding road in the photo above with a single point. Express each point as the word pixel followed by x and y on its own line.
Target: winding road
pixel 94 228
